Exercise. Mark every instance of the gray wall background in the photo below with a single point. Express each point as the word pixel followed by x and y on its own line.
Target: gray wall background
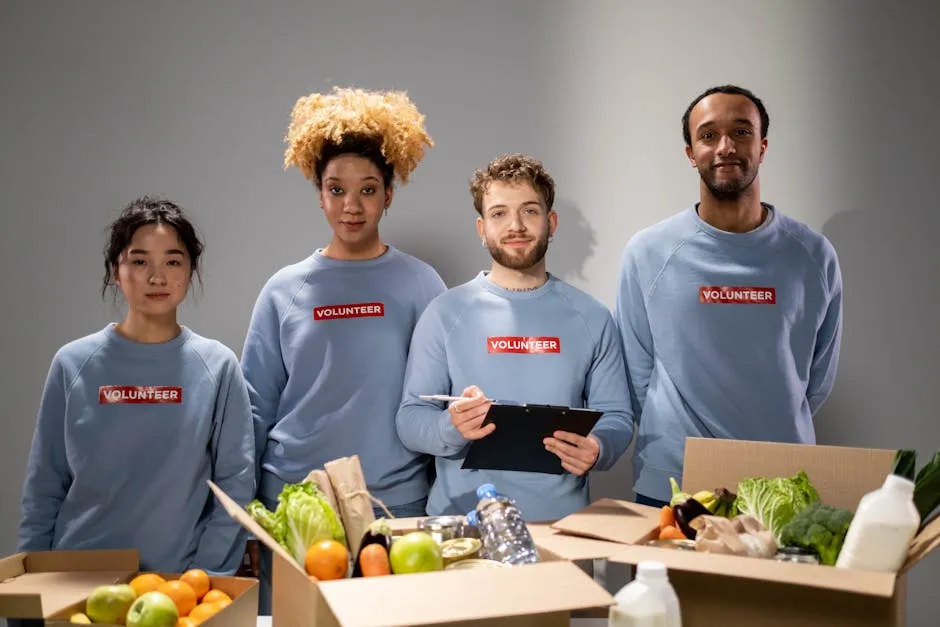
pixel 104 101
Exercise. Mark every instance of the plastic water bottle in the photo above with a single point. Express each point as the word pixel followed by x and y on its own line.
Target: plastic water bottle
pixel 647 601
pixel 503 531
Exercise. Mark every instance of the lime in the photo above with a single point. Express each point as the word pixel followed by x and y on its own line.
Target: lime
pixel 415 552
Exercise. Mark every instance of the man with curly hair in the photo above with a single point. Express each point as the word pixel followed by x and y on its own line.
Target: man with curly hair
pixel 515 333
pixel 730 311
pixel 328 340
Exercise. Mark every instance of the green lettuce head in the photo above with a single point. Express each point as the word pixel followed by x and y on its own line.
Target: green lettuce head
pixel 303 517
pixel 774 502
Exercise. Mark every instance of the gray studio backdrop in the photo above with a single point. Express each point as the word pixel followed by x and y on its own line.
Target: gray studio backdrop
pixel 104 101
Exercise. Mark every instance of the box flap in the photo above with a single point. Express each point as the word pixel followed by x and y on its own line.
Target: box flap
pixel 926 541
pixel 824 577
pixel 611 520
pixel 570 547
pixel 238 513
pixel 463 595
pixel 42 594
pixel 842 475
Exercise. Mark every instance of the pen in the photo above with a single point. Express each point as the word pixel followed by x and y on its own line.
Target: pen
pixel 445 398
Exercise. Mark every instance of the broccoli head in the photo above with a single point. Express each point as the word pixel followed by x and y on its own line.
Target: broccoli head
pixel 820 528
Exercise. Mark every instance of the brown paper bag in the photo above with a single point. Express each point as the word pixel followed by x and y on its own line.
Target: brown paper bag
pixel 355 502
pixel 322 481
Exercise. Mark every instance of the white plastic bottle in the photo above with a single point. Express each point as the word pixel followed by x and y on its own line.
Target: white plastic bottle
pixel 647 601
pixel 881 531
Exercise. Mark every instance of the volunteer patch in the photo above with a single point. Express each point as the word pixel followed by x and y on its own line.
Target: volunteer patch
pixel 720 295
pixel 519 344
pixel 155 394
pixel 357 310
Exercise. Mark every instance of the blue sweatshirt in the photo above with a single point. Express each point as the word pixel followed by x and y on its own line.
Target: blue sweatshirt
pixel 726 336
pixel 553 345
pixel 127 436
pixel 324 360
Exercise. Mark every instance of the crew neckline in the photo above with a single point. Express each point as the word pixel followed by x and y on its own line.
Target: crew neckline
pixel 390 253
pixel 119 340
pixel 484 280
pixel 750 238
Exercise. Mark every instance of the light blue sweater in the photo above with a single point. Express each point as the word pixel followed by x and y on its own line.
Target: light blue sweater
pixel 467 337
pixel 127 436
pixel 726 336
pixel 324 360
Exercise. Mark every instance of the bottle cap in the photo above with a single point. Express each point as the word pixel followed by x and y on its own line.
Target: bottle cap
pixel 897 483
pixel 649 570
pixel 486 490
pixel 472 519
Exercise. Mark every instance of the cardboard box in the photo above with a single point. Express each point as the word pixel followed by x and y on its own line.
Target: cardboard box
pixel 747 591
pixel 543 594
pixel 53 585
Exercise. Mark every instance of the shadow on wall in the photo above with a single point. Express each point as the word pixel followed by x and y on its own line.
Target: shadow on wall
pixel 573 244
pixel 890 347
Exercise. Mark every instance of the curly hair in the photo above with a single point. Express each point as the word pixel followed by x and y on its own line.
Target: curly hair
pixel 375 124
pixel 514 168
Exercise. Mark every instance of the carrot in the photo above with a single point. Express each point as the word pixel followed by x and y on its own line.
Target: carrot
pixel 671 533
pixel 373 559
pixel 666 517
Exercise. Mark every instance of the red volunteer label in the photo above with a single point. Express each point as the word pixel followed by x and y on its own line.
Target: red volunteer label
pixel 519 344
pixel 719 295
pixel 110 394
pixel 357 310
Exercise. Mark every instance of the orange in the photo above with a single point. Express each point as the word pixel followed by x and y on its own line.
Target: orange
pixel 182 594
pixel 198 579
pixel 146 582
pixel 187 621
pixel 222 603
pixel 327 559
pixel 214 596
pixel 204 611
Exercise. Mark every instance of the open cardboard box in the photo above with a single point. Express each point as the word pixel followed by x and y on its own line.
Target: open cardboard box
pixel 54 585
pixel 745 591
pixel 542 594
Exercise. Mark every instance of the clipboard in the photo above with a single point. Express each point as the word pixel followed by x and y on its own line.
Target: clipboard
pixel 516 443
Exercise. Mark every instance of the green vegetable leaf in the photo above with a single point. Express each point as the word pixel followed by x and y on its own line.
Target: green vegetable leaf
pixel 307 518
pixel 268 521
pixel 905 463
pixel 774 502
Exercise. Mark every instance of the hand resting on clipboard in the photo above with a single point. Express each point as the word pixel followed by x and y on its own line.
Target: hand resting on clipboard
pixel 516 439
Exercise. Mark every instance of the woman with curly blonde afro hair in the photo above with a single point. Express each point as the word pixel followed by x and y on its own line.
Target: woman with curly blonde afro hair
pixel 328 340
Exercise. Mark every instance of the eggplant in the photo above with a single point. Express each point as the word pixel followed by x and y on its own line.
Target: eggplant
pixel 379 532
pixel 687 511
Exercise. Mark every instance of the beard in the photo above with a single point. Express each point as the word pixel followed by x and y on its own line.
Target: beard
pixel 727 189
pixel 508 258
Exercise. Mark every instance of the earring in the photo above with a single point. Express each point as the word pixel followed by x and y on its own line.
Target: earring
pixel 483 243
pixel 386 211
pixel 551 237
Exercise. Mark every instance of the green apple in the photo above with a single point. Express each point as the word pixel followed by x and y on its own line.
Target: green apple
pixel 109 604
pixel 153 609
pixel 416 552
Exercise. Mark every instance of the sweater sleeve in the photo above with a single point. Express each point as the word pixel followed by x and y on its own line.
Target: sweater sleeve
pixel 822 372
pixel 48 476
pixel 636 338
pixel 263 368
pixel 423 426
pixel 607 390
pixel 222 543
